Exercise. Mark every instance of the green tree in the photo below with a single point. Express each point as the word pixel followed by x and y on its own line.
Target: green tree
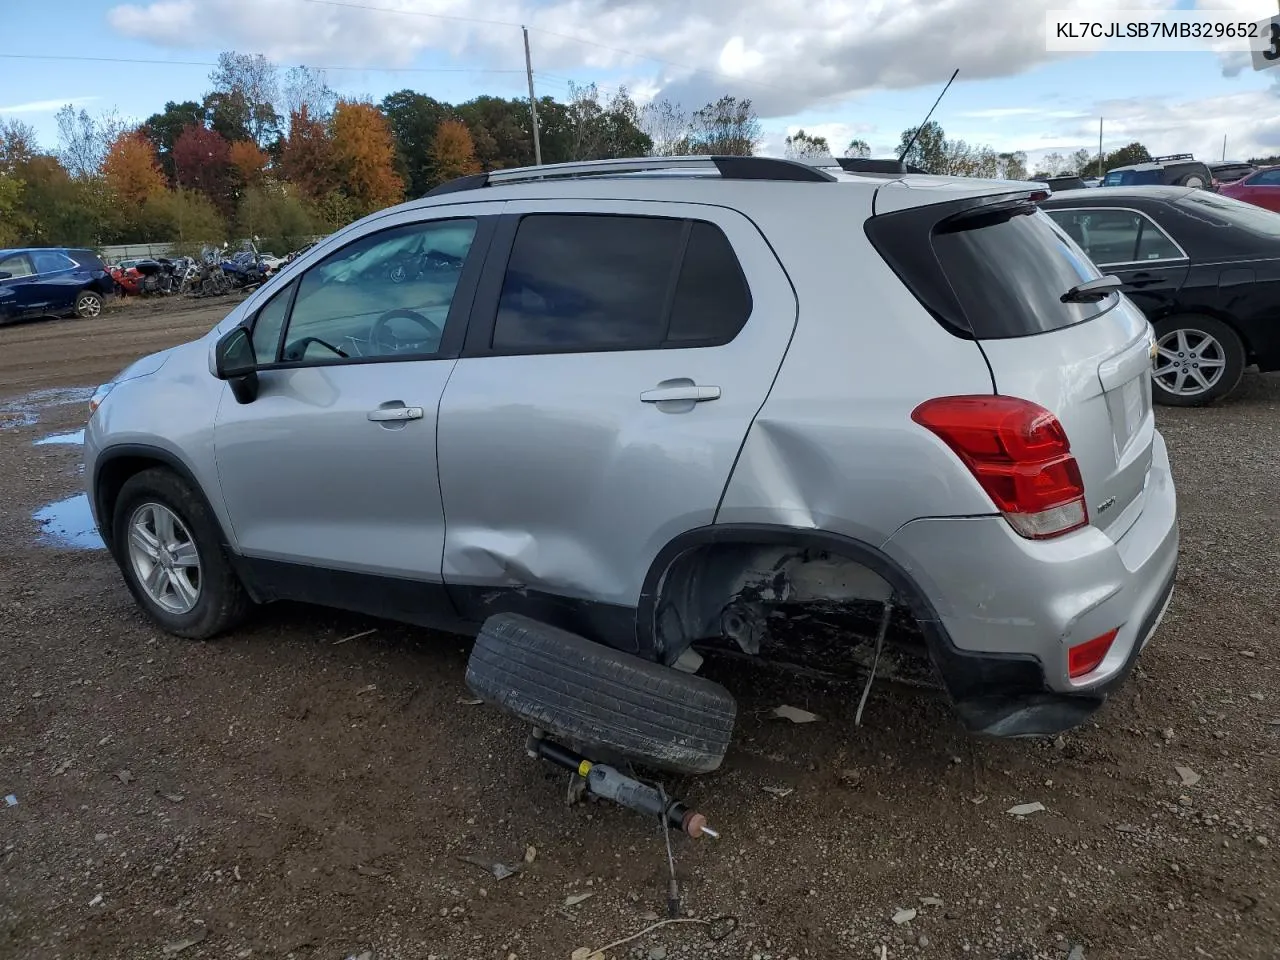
pixel 185 217
pixel 801 145
pixel 1128 154
pixel 414 119
pixel 928 149
pixel 277 215
pixel 241 105
pixel 859 149
pixel 1013 165
pixel 726 127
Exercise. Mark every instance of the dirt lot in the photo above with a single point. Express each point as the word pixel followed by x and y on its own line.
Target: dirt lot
pixel 286 792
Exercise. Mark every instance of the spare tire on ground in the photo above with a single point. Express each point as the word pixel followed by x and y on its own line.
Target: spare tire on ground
pixel 606 704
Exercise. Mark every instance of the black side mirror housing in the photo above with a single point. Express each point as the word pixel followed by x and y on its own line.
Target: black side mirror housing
pixel 236 363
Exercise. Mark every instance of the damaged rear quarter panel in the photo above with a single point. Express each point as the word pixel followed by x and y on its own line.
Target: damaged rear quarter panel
pixel 834 447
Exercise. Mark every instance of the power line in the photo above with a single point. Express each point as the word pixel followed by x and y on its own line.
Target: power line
pixel 210 63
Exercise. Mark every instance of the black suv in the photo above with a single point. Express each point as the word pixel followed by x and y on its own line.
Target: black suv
pixel 1175 170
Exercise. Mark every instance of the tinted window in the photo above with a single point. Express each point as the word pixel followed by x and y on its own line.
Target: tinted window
pixel 267 326
pixel 386 294
pixel 1267 178
pixel 712 301
pixel 585 283
pixel 1155 244
pixel 1125 178
pixel 50 261
pixel 1224 211
pixel 1107 236
pixel 1009 271
pixel 17 265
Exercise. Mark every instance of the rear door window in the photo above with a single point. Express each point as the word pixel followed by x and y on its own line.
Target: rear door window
pixel 581 283
pixel 51 261
pixel 1009 270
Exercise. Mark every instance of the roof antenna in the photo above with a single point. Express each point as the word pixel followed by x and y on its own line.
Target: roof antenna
pixel 912 142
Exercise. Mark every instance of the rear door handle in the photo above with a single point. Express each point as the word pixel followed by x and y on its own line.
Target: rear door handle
pixel 691 391
pixel 383 414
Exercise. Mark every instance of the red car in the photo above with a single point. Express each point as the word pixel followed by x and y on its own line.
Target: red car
pixel 1262 189
pixel 126 275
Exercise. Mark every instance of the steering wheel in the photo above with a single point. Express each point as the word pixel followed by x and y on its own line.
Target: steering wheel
pixel 378 333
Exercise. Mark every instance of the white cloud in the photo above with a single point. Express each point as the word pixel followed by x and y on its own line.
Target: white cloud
pixel 785 57
pixel 47 106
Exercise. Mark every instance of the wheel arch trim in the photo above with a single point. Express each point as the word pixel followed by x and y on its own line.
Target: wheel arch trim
pixel 161 457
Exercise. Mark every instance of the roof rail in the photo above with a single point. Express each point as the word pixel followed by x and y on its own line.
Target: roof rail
pixel 1173 156
pixel 729 168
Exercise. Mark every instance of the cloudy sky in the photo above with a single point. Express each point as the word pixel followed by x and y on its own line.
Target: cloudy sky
pixel 841 68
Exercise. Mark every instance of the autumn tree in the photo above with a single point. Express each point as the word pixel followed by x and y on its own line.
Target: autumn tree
pixel 131 168
pixel 453 154
pixel 858 149
pixel 248 160
pixel 306 157
pixel 364 156
pixel 202 162
pixel 1013 165
pixel 164 128
pixel 801 145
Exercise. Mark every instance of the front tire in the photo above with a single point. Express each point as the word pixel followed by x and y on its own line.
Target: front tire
pixel 169 548
pixel 88 305
pixel 1199 360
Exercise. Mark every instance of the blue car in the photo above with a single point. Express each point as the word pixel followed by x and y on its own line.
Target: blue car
pixel 52 282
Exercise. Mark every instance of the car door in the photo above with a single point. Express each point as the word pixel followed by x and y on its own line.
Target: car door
pixel 617 356
pixel 1131 245
pixel 18 294
pixel 329 475
pixel 1262 189
pixel 58 281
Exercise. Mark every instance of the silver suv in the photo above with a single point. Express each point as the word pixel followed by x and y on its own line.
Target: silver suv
pixel 655 403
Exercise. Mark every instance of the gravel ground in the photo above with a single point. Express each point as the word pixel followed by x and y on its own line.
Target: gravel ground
pixel 289 792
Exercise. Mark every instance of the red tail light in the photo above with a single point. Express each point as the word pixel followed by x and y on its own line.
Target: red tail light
pixel 1085 657
pixel 1019 453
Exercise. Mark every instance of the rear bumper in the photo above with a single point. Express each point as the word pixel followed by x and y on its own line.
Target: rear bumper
pixel 1009 609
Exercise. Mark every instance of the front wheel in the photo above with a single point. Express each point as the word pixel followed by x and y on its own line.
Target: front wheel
pixel 88 304
pixel 170 552
pixel 1198 360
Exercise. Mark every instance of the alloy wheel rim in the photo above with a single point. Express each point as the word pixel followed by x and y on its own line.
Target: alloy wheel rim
pixel 90 307
pixel 1189 362
pixel 165 558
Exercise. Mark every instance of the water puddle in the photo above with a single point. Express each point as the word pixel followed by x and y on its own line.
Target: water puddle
pixel 75 439
pixel 24 410
pixel 69 523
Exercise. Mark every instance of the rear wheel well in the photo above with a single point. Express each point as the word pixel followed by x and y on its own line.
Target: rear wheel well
pixel 735 590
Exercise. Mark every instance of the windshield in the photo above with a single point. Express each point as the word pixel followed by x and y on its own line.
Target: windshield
pixel 1226 211
pixel 1128 178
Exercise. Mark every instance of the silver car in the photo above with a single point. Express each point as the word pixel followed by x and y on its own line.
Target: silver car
pixel 660 403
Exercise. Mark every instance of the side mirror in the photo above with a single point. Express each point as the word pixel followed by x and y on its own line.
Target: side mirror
pixel 235 362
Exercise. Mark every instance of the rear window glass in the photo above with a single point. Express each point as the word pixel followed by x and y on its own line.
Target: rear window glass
pixel 1226 211
pixel 1128 178
pixel 1009 271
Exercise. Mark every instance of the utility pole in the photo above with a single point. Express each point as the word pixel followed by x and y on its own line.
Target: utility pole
pixel 1224 148
pixel 1099 147
pixel 533 103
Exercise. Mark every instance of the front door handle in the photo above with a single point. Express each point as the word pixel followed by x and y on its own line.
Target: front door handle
pixel 383 414
pixel 691 391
